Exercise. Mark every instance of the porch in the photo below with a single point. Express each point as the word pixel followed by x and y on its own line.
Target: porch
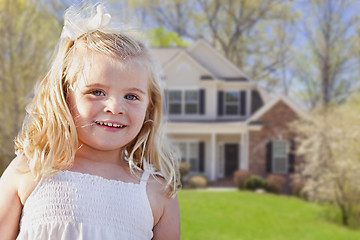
pixel 213 149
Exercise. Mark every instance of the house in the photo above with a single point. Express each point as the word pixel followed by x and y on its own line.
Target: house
pixel 220 120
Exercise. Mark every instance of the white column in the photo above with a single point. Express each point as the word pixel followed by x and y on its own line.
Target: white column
pixel 213 157
pixel 248 103
pixel 244 163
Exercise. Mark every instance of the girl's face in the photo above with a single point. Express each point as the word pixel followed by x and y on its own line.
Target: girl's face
pixel 109 104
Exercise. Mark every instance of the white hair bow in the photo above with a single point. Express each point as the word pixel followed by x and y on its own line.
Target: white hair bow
pixel 75 25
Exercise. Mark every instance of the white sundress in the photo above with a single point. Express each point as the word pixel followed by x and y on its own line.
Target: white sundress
pixel 73 205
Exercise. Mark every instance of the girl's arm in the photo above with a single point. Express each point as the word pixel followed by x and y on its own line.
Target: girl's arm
pixel 168 226
pixel 10 204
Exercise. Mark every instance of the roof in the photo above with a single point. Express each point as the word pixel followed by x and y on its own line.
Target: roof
pixel 265 108
pixel 197 52
pixel 164 55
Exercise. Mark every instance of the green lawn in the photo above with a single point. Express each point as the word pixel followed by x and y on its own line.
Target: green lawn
pixel 248 216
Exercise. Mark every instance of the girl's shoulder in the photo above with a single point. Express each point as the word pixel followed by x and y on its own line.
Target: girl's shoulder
pixel 165 209
pixel 19 178
pixel 158 196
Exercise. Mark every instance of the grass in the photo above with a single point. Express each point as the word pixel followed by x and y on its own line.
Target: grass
pixel 239 215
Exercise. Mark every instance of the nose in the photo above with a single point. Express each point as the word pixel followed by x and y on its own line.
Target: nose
pixel 114 106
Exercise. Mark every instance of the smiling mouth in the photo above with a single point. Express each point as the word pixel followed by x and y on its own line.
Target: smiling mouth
pixel 108 124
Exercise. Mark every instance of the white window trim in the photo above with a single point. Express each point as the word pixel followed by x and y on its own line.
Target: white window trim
pixel 286 156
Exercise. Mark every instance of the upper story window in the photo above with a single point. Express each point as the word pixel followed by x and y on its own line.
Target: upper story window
pixel 191 101
pixel 231 103
pixel 186 102
pixel 175 103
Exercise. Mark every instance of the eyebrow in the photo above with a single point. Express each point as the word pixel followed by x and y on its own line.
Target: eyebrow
pixel 136 90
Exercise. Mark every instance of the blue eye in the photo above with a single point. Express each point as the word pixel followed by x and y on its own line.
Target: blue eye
pixel 131 97
pixel 97 93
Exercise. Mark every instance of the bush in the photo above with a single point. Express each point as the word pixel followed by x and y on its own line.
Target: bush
pixel 240 177
pixel 198 181
pixel 184 169
pixel 275 183
pixel 254 182
pixel 297 186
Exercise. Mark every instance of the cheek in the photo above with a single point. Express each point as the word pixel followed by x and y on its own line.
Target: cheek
pixel 71 102
pixel 79 109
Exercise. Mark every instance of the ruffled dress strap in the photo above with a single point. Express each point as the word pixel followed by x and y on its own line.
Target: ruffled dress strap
pixel 145 177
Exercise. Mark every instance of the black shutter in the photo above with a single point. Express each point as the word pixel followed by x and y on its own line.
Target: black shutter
pixel 242 103
pixel 269 157
pixel 220 103
pixel 201 156
pixel 291 163
pixel 202 101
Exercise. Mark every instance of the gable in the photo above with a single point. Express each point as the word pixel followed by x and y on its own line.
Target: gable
pixel 164 55
pixel 183 70
pixel 215 62
pixel 267 109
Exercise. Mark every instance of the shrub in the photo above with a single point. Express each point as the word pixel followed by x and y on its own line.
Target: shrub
pixel 254 182
pixel 240 177
pixel 184 169
pixel 297 186
pixel 275 183
pixel 198 181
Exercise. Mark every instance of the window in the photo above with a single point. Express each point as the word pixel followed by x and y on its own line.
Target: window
pixel 189 152
pixel 183 102
pixel 183 152
pixel 280 156
pixel 175 102
pixel 231 103
pixel 191 102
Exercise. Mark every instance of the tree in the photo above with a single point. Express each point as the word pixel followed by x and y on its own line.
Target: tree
pixel 326 65
pixel 252 34
pixel 28 34
pixel 159 37
pixel 329 141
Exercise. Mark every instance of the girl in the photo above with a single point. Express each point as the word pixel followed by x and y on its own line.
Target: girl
pixel 86 157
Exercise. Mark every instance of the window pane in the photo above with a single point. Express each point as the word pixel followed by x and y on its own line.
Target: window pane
pixel 231 109
pixel 191 96
pixel 175 108
pixel 280 148
pixel 280 164
pixel 231 97
pixel 193 150
pixel 174 96
pixel 182 149
pixel 193 156
pixel 194 164
pixel 191 108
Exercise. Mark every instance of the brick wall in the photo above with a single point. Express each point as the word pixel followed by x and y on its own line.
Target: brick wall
pixel 275 127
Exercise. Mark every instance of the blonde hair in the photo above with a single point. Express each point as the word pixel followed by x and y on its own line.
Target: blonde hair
pixel 49 138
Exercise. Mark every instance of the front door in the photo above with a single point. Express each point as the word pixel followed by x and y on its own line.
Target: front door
pixel 231 158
